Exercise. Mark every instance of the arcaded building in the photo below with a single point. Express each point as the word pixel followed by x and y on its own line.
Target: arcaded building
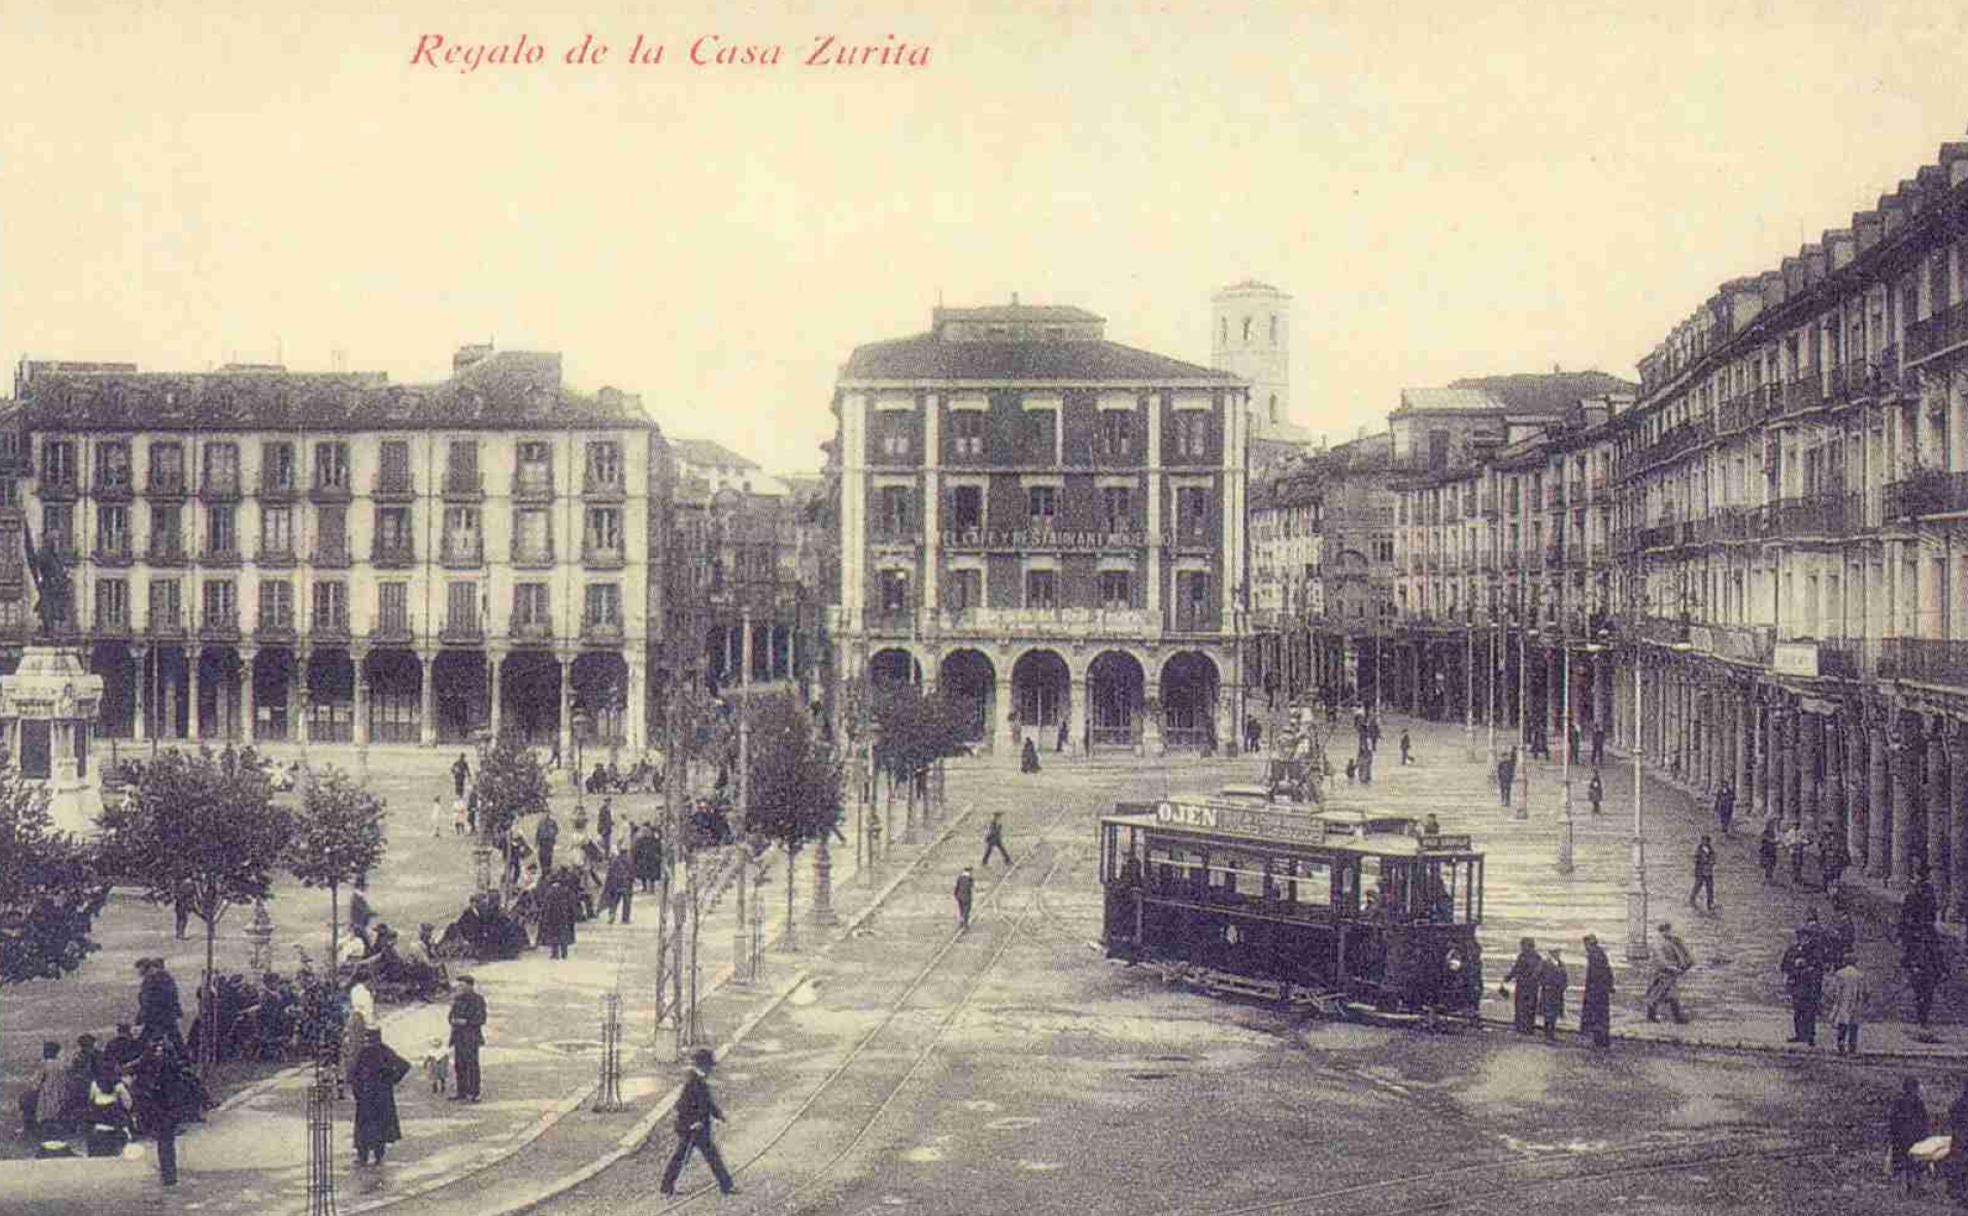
pixel 1047 524
pixel 259 554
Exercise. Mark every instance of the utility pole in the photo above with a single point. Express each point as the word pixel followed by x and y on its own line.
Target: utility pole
pixel 1469 684
pixel 1523 808
pixel 1565 714
pixel 741 957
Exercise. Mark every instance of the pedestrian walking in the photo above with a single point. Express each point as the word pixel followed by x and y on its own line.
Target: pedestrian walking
pixel 1525 972
pixel 1834 858
pixel 1596 1005
pixel 1059 744
pixel 1595 791
pixel 1352 770
pixel 41 1105
pixel 1598 746
pixel 460 815
pixel 471 810
pixel 560 907
pixel 1366 765
pixel 355 1026
pixel 994 839
pixel 695 1111
pixel 440 816
pixel 1797 839
pixel 1906 1126
pixel 1845 999
pixel 1553 979
pixel 605 826
pixel 966 884
pixel 1704 874
pixel 1028 758
pixel 1407 748
pixel 1766 850
pixel 618 889
pixel 158 1008
pixel 1725 806
pixel 1918 909
pixel 1253 733
pixel 460 773
pixel 1572 743
pixel 181 903
pixel 1924 960
pixel 1672 960
pixel 467 1019
pixel 167 1094
pixel 646 846
pixel 1506 774
pixel 544 836
pixel 373 1080
pixel 1803 972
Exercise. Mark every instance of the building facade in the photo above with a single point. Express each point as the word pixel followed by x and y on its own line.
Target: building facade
pixel 1048 525
pixel 262 555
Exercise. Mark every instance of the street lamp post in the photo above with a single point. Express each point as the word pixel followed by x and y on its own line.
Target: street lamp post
pixel 1636 883
pixel 1523 808
pixel 1469 686
pixel 1492 682
pixel 1565 741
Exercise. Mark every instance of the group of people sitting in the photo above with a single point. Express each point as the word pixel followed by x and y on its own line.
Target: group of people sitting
pixel 273 1019
pixel 107 1094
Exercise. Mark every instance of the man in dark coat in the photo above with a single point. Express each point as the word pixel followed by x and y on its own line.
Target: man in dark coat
pixel 1525 972
pixel 1906 1126
pixel 1725 806
pixel 1596 1006
pixel 1924 959
pixel 158 1009
pixel 1552 982
pixel 1595 791
pixel 695 1110
pixel 1766 851
pixel 167 1094
pixel 1918 909
pixel 647 850
pixel 373 1080
pixel 965 885
pixel 544 836
pixel 467 1036
pixel 605 826
pixel 1803 969
pixel 1506 774
pixel 560 907
pixel 1028 759
pixel 1704 874
pixel 460 773
pixel 619 887
pixel 123 1050
pixel 994 839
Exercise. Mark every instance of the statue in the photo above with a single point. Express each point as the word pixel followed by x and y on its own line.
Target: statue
pixel 52 593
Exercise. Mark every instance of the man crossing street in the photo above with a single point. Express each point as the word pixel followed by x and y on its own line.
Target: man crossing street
pixel 994 839
pixel 695 1110
pixel 965 885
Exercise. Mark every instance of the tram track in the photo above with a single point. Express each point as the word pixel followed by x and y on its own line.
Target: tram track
pixel 1004 937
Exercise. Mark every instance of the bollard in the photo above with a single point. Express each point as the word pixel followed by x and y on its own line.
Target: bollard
pixel 608 1097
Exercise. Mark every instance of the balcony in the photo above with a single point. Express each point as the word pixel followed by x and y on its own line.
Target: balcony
pixel 277 488
pixel 1663 536
pixel 222 488
pixel 113 487
pixel 330 490
pixel 115 626
pixel 462 631
pixel 1844 658
pixel 465 484
pixel 1929 492
pixel 277 629
pixel 1927 660
pixel 1046 622
pixel 530 631
pixel 1804 394
pixel 1741 413
pixel 533 483
pixel 219 627
pixel 394 486
pixel 1941 332
pixel 611 490
pixel 602 559
pixel 333 555
pixel 115 552
pixel 165 625
pixel 1811 515
pixel 165 551
pixel 228 556
pixel 462 552
pixel 329 628
pixel 532 557
pixel 394 628
pixel 269 555
pixel 1740 643
pixel 392 556
pixel 602 633
pixel 163 483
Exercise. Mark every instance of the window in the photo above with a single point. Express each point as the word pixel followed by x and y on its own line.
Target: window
pixel 966 432
pixel 112 466
pixel 221 607
pixel 393 467
pixel 113 531
pixel 604 466
pixel 58 463
pixel 331 465
pixel 1042 589
pixel 461 608
pixel 1116 432
pixel 331 524
pixel 221 468
pixel 276 604
pixel 1192 429
pixel 894 587
pixel 393 607
pixel 531 607
pixel 276 531
pixel 1274 332
pixel 1223 330
pixel 895 434
pixel 221 531
pixel 393 532
pixel 1192 514
pixel 895 512
pixel 603 534
pixel 276 467
pixel 167 468
pixel 166 535
pixel 1192 596
pixel 58 526
pixel 462 542
pixel 1041 503
pixel 112 603
pixel 166 608
pixel 1040 427
pixel 1116 590
pixel 963 590
pixel 532 536
pixel 1117 508
pixel 331 604
pixel 966 508
pixel 604 607
pixel 461 467
pixel 535 475
pixel 1247 330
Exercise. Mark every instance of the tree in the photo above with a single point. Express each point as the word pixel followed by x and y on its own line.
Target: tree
pixel 511 785
pixel 50 887
pixel 207 826
pixel 914 732
pixel 795 787
pixel 338 838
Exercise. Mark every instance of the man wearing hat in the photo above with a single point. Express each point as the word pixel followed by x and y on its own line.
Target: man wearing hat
pixel 1596 1007
pixel 1672 959
pixel 1553 979
pixel 695 1110
pixel 467 1036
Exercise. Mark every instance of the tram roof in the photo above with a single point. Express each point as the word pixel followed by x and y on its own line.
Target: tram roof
pixel 1326 831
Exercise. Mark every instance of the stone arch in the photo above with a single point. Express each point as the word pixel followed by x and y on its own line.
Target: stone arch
pixel 969 678
pixel 1041 690
pixel 893 665
pixel 529 698
pixel 462 700
pixel 1190 685
pixel 601 697
pixel 396 696
pixel 331 697
pixel 1116 694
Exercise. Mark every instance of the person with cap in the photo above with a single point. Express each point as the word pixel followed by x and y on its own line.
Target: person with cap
pixel 1596 1005
pixel 966 884
pixel 1525 971
pixel 1553 979
pixel 1672 960
pixel 695 1111
pixel 467 1019
pixel 373 1079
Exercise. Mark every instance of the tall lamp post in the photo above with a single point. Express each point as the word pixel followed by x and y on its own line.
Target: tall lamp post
pixel 1524 635
pixel 1492 682
pixel 1636 883
pixel 1469 684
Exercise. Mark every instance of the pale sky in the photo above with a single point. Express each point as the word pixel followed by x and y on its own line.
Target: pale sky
pixel 1455 189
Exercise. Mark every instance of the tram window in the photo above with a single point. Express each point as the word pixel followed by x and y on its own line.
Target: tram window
pixel 1165 865
pixel 1313 884
pixel 1436 897
pixel 1371 883
pixel 1349 887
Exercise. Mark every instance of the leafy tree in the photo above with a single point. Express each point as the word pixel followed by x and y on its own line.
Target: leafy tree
pixel 50 887
pixel 206 825
pixel 338 837
pixel 913 732
pixel 795 787
pixel 511 785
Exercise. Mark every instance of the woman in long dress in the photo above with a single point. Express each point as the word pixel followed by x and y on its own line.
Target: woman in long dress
pixel 373 1077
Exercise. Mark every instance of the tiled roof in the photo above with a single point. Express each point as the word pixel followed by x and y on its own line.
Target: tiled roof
pixel 1547 392
pixel 924 357
pixel 1015 312
pixel 1456 398
pixel 505 391
pixel 708 453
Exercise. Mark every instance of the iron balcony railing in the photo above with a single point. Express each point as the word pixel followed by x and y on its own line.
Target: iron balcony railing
pixel 1927 660
pixel 1928 492
pixel 1937 333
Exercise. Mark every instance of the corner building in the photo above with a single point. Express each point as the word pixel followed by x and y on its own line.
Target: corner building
pixel 1048 525
pixel 261 555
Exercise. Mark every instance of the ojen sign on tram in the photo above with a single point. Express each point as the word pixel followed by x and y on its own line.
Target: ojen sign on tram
pixel 1241 821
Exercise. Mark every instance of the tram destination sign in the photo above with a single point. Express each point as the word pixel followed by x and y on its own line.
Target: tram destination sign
pixel 1241 821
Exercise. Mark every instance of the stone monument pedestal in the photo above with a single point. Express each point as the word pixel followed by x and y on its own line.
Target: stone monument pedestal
pixel 49 705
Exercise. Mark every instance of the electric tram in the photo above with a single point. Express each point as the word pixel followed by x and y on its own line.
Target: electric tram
pixel 1296 902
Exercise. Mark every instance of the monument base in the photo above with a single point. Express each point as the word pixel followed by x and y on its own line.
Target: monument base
pixel 50 705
